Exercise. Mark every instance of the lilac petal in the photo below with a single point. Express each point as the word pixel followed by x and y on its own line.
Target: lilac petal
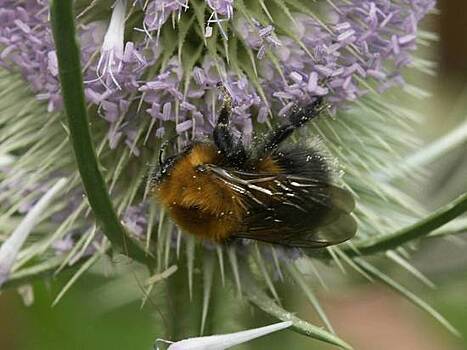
pixel 262 114
pixel 182 127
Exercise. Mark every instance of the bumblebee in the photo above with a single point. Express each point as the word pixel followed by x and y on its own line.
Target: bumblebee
pixel 276 193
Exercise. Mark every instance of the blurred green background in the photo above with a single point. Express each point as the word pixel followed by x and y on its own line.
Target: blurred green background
pixel 97 314
pixel 102 312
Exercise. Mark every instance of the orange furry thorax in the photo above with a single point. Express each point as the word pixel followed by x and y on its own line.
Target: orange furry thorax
pixel 198 202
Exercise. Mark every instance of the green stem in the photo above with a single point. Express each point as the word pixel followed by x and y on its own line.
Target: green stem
pixel 71 80
pixel 258 298
pixel 422 228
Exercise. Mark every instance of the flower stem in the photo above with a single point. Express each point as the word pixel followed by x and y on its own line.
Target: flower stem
pixel 71 81
pixel 421 228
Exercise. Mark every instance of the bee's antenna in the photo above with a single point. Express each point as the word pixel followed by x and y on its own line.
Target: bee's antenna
pixel 297 118
pixel 161 152
pixel 310 111
pixel 163 148
pixel 227 103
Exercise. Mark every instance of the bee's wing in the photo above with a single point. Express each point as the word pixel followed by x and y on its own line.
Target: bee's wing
pixel 303 222
pixel 291 210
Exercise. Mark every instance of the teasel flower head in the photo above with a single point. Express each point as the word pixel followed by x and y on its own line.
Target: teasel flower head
pixel 150 73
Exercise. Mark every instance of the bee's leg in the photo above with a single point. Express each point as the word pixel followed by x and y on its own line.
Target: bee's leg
pixel 224 139
pixel 296 119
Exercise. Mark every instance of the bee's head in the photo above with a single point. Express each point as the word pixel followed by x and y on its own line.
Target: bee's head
pixel 166 164
pixel 163 169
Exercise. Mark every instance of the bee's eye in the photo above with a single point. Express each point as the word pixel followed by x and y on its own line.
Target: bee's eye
pixel 201 169
pixel 166 163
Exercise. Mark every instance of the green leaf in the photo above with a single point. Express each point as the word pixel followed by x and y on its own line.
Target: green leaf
pixel 71 81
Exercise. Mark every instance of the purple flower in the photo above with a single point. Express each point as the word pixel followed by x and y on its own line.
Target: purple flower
pixel 196 106
pixel 358 41
pixel 158 12
pixel 362 41
pixel 257 36
pixel 26 38
pixel 135 219
pixel 26 44
pixel 222 7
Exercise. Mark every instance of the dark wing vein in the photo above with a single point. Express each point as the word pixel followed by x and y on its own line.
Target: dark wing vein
pixel 290 210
